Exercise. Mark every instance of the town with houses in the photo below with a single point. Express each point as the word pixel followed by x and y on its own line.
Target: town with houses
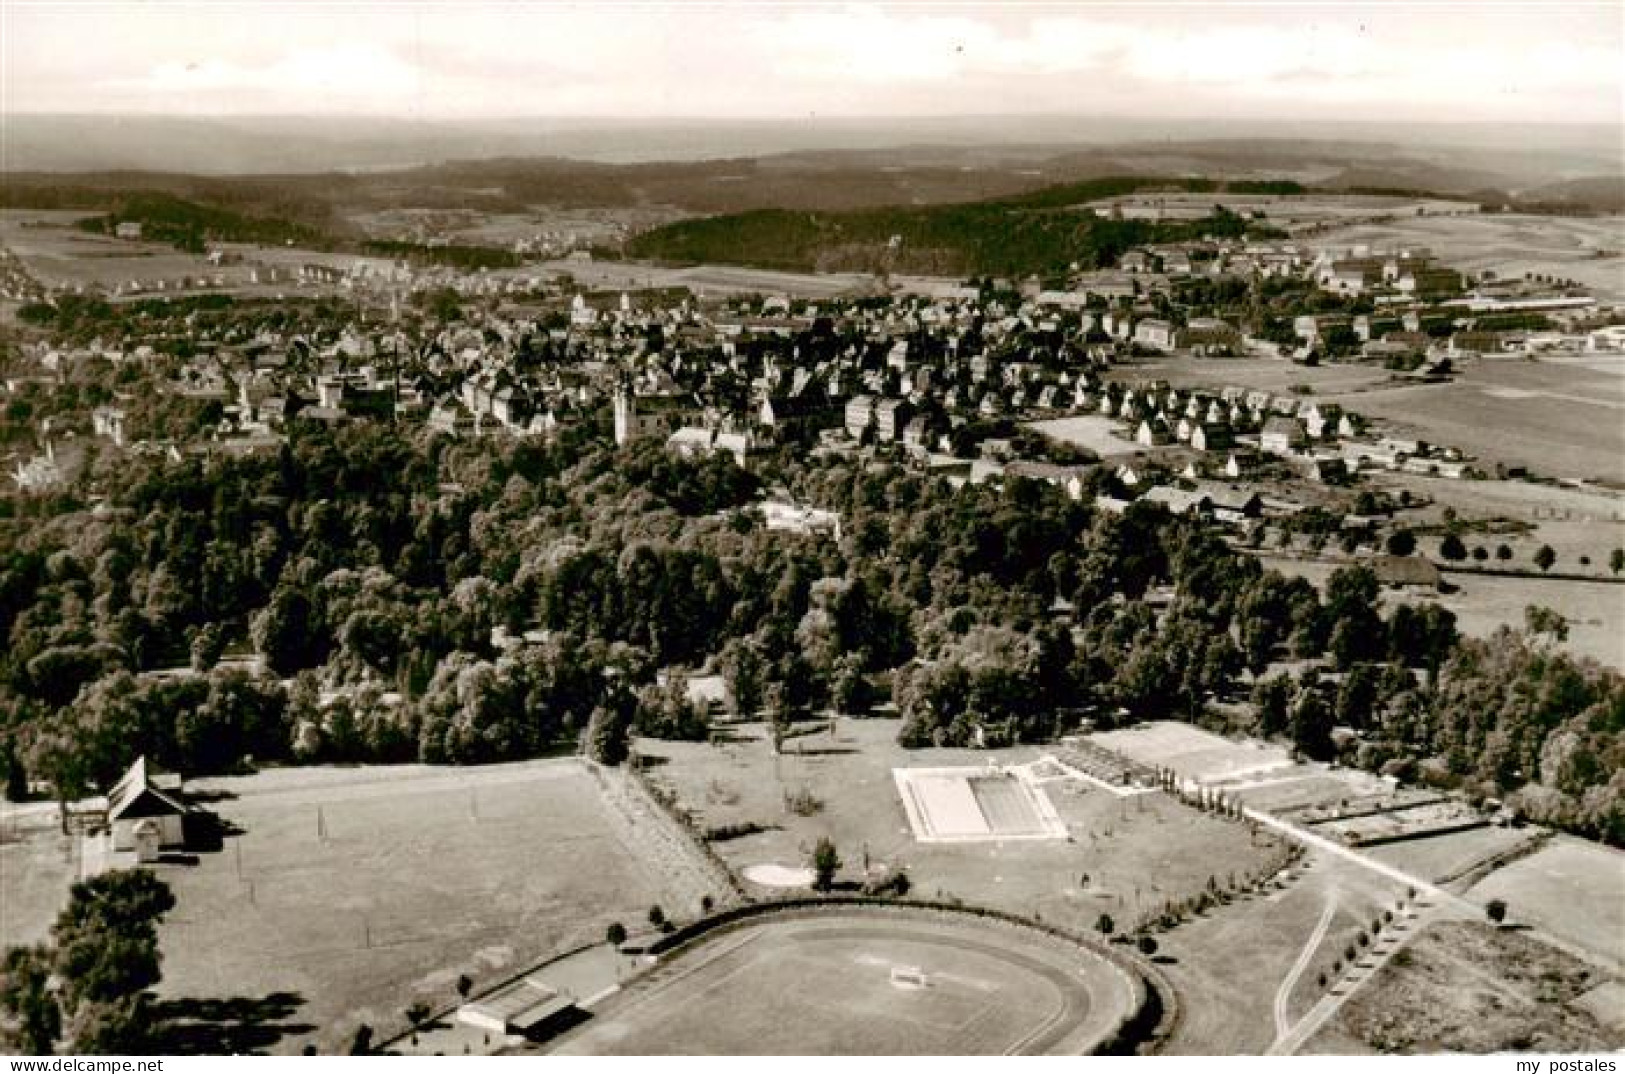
pixel 783 530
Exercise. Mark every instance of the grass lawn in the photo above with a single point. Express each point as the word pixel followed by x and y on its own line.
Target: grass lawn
pixel 37 865
pixel 1229 963
pixel 1137 852
pixel 1571 888
pixel 1438 857
pixel 362 890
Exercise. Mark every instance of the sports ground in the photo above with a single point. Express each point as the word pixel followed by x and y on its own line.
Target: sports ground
pixel 851 982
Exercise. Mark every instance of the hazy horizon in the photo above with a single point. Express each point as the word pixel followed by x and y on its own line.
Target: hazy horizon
pixel 1416 62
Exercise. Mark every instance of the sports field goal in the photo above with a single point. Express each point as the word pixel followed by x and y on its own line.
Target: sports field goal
pixel 909 977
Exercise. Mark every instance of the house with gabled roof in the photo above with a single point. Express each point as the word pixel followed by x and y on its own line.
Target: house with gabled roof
pixel 145 811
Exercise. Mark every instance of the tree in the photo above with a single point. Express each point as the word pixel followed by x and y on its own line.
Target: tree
pixel 657 917
pixel 16 775
pixel 825 863
pixel 1273 698
pixel 1545 557
pixel 1401 543
pixel 465 985
pixel 615 935
pixel 1545 623
pixel 1496 910
pixel 1147 944
pixel 26 998
pixel 1616 560
pixel 1503 552
pixel 1105 925
pixel 1312 726
pixel 1452 548
pixel 608 739
pixel 361 1043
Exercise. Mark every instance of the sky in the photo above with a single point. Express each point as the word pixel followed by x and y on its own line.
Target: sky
pixel 1465 60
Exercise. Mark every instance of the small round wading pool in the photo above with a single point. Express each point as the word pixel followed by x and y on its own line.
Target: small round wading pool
pixel 858 980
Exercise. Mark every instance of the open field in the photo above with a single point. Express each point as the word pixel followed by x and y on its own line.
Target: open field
pixel 1557 420
pixel 37 864
pixel 1468 987
pixel 1276 375
pixel 1481 602
pixel 1575 522
pixel 1231 963
pixel 1441 857
pixel 1194 753
pixel 1571 888
pixel 1135 852
pixel 1094 432
pixel 1283 210
pixel 705 280
pixel 58 254
pixel 360 890
pixel 989 989
pixel 1509 244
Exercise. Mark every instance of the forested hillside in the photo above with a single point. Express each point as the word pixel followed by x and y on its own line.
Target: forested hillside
pixel 366 563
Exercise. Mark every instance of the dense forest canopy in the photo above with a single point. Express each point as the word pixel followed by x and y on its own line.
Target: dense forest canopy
pixel 386 578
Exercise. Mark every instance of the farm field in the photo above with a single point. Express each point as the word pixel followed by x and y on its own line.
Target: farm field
pixel 1468 987
pixel 58 254
pixel 1510 245
pixel 1275 375
pixel 1572 889
pixel 1482 602
pixel 1574 522
pixel 1282 210
pixel 1135 852
pixel 704 279
pixel 990 989
pixel 1558 420
pixel 358 891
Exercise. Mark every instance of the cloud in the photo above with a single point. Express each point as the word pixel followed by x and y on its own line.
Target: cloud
pixel 336 75
pixel 728 60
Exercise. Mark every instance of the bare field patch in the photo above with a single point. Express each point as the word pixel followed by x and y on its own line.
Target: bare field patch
pixel 1095 432
pixel 1560 421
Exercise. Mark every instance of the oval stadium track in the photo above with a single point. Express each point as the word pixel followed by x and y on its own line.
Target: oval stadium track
pixel 823 982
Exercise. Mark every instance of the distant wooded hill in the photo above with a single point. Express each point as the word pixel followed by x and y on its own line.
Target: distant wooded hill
pixel 1044 232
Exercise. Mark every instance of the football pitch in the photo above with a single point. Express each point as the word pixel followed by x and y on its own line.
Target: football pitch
pixel 850 983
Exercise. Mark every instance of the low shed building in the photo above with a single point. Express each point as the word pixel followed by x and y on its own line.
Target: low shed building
pixel 525 1008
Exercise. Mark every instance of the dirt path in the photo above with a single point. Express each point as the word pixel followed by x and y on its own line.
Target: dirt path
pixel 1283 995
pixel 1409 925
